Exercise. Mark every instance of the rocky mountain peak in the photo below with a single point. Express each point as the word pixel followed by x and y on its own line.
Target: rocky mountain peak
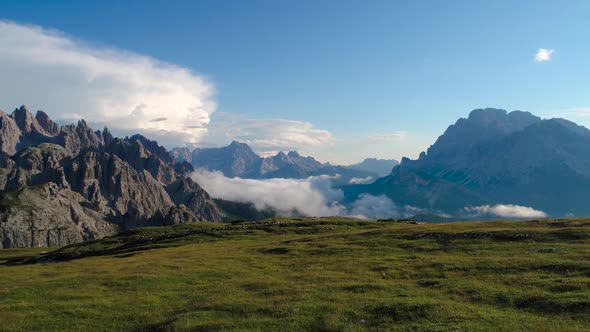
pixel 481 127
pixel 138 150
pixel 496 157
pixel 22 117
pixel 9 134
pixel 26 122
pixel 107 137
pixel 153 147
pixel 238 147
pixel 83 124
pixel 487 115
pixel 499 119
pixel 46 123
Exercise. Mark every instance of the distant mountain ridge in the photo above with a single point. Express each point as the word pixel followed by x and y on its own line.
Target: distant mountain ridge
pixel 496 157
pixel 239 160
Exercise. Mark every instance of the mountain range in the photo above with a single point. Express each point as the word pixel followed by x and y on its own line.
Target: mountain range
pixel 61 185
pixel 239 160
pixel 65 184
pixel 495 157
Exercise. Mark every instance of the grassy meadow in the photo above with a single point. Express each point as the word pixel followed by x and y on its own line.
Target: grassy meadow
pixel 308 274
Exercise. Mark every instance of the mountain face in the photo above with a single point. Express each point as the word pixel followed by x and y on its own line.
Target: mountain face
pixel 381 167
pixel 495 157
pixel 60 185
pixel 234 160
pixel 238 160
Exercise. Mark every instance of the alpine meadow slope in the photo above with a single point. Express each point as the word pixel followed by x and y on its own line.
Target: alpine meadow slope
pixel 308 274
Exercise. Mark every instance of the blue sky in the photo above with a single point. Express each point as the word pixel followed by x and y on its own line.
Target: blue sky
pixel 361 78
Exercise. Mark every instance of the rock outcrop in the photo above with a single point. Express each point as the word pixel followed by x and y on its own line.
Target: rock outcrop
pixel 47 216
pixel 46 123
pixel 9 134
pixel 189 194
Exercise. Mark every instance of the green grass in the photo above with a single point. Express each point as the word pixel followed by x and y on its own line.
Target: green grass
pixel 328 274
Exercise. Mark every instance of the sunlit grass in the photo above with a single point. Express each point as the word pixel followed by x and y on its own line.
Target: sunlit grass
pixel 324 274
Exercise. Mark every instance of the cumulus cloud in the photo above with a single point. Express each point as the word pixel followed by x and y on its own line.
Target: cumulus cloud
pixel 543 54
pixel 313 196
pixel 506 211
pixel 266 135
pixel 131 93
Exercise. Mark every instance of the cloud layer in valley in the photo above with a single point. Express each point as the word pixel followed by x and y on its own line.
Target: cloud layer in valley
pixel 313 196
pixel 369 206
pixel 506 211
pixel 131 93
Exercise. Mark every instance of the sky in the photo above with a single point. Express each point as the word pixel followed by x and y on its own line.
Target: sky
pixel 338 80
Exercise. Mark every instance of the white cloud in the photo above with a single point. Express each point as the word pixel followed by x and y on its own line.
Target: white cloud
pixel 133 93
pixel 313 196
pixel 266 135
pixel 507 211
pixel 369 206
pixel 129 92
pixel 543 54
pixel 271 153
pixel 368 179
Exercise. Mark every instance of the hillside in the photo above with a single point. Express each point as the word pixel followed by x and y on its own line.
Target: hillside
pixel 328 274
